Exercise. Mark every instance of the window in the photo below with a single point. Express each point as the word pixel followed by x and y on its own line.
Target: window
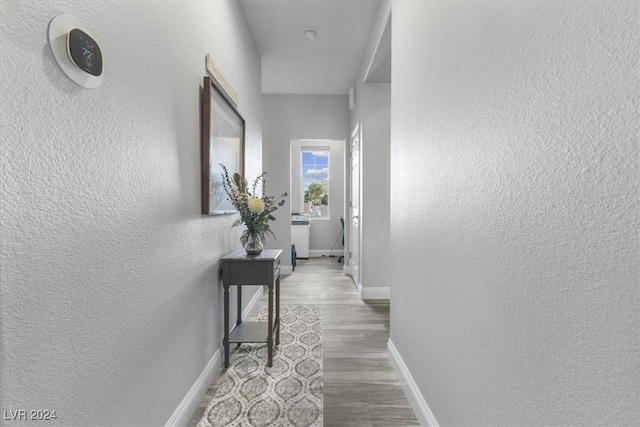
pixel 314 174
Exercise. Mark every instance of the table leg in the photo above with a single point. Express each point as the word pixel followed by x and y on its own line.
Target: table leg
pixel 225 341
pixel 270 328
pixel 239 319
pixel 278 311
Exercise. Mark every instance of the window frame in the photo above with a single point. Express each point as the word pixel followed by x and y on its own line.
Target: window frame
pixel 302 204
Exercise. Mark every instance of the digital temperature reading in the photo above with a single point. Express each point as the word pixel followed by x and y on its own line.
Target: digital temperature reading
pixel 76 51
pixel 84 52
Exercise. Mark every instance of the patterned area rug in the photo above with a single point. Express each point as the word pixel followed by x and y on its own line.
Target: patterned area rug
pixel 287 394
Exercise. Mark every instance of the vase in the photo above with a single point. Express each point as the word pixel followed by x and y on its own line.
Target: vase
pixel 253 246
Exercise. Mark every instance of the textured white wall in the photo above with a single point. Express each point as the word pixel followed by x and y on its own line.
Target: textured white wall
pixel 375 104
pixel 109 301
pixel 289 117
pixel 514 209
pixel 372 113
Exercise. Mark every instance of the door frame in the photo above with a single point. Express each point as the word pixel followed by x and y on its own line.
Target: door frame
pixel 355 232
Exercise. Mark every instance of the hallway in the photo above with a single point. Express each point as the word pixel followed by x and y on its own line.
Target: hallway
pixel 495 145
pixel 360 386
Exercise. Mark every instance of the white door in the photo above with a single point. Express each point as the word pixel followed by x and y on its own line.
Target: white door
pixel 354 240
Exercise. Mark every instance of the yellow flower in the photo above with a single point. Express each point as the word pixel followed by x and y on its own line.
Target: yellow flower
pixel 255 205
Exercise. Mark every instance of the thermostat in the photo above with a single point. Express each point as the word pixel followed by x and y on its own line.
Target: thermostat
pixel 84 52
pixel 76 51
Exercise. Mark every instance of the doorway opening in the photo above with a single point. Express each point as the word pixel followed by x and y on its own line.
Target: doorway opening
pixel 317 188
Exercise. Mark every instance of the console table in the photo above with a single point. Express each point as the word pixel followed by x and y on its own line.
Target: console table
pixel 240 269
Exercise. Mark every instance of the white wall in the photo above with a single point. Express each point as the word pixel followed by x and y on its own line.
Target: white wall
pixel 110 305
pixel 291 117
pixel 378 26
pixel 514 210
pixel 375 101
pixel 372 113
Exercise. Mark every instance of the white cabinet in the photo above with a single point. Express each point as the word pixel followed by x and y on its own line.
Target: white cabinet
pixel 300 234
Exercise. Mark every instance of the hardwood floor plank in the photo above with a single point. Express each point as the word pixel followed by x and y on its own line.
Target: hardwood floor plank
pixel 384 416
pixel 340 416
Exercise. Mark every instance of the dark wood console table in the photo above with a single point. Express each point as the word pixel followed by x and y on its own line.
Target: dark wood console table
pixel 239 269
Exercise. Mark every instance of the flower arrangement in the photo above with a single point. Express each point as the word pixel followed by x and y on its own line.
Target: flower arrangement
pixel 255 212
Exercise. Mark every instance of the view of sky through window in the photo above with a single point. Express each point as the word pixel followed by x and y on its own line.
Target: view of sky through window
pixel 315 182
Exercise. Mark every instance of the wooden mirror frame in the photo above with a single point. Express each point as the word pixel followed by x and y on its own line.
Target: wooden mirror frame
pixel 222 141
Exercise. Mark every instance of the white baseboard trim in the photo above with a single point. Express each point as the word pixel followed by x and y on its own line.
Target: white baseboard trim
pixel 374 293
pixel 317 253
pixel 346 270
pixel 286 270
pixel 416 399
pixel 252 304
pixel 183 413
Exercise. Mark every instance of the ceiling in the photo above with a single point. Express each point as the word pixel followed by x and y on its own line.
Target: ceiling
pixel 292 64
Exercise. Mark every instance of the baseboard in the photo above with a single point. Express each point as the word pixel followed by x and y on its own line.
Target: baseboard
pixel 252 303
pixel 346 270
pixel 374 293
pixel 183 413
pixel 317 253
pixel 416 399
pixel 286 270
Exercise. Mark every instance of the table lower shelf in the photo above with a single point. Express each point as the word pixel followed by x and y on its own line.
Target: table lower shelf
pixel 249 332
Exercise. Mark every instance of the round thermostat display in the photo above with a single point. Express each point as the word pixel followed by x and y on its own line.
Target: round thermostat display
pixel 84 52
pixel 76 51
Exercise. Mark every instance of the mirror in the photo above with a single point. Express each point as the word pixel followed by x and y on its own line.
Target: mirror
pixel 222 141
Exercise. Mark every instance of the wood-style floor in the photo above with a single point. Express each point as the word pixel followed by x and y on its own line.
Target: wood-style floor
pixel 361 389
